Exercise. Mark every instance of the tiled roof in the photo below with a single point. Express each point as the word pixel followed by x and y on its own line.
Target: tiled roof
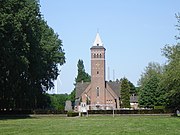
pixel 97 47
pixel 80 88
pixel 133 99
pixel 115 86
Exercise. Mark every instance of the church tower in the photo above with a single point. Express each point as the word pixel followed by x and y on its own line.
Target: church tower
pixel 98 92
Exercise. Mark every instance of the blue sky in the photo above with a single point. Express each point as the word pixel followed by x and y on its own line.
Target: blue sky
pixel 133 33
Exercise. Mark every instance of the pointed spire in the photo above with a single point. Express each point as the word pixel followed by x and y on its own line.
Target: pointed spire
pixel 98 41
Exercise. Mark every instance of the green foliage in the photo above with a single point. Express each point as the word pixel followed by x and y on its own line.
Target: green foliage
pixel 170 82
pixel 159 107
pixel 72 95
pixel 125 96
pixel 159 86
pixel 30 52
pixel 150 93
pixel 82 75
pixel 54 101
pixel 171 78
pixel 153 68
pixel 137 89
pixel 72 114
pixel 58 101
pixel 132 88
pixel 147 95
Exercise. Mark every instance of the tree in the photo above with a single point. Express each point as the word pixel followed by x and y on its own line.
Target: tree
pixel 125 96
pixel 131 85
pixel 149 91
pixel 153 68
pixel 19 30
pixel 170 82
pixel 132 88
pixel 171 77
pixel 81 76
pixel 30 52
pixel 58 101
pixel 147 95
pixel 72 96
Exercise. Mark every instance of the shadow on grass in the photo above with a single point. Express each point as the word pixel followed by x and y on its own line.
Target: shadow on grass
pixel 10 117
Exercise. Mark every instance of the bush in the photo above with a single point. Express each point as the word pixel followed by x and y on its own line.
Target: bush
pixel 159 107
pixel 72 114
pixel 145 111
pixel 15 112
pixel 50 111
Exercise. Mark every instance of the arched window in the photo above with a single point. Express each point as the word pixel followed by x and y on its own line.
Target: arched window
pixel 94 55
pixel 97 55
pixel 97 91
pixel 100 55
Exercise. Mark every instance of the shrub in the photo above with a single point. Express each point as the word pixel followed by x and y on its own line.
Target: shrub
pixel 72 114
pixel 159 107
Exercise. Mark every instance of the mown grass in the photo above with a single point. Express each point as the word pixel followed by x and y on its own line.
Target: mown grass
pixel 93 125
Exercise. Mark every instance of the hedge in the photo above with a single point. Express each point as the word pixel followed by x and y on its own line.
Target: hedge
pixel 42 111
pixel 38 111
pixel 72 114
pixel 153 111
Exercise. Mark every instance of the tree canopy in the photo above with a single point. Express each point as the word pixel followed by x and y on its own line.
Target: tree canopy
pixel 149 92
pixel 160 85
pixel 171 77
pixel 170 82
pixel 82 75
pixel 125 93
pixel 30 52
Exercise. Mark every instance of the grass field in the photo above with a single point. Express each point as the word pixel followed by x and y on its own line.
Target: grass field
pixel 93 125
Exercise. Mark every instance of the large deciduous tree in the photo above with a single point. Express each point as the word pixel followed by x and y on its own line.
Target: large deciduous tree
pixel 170 82
pixel 161 85
pixel 171 77
pixel 149 92
pixel 30 52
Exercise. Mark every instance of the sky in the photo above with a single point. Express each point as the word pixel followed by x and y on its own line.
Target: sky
pixel 132 31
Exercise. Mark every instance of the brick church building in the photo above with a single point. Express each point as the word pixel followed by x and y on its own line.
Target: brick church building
pixel 98 93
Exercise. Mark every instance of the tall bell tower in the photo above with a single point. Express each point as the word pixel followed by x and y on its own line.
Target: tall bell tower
pixel 98 93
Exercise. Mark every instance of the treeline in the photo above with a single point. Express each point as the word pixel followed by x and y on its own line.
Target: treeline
pixel 30 52
pixel 160 84
pixel 55 101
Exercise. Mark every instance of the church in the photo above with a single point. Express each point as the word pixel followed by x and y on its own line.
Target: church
pixel 99 93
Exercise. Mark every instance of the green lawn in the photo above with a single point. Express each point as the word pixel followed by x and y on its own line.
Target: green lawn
pixel 93 125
